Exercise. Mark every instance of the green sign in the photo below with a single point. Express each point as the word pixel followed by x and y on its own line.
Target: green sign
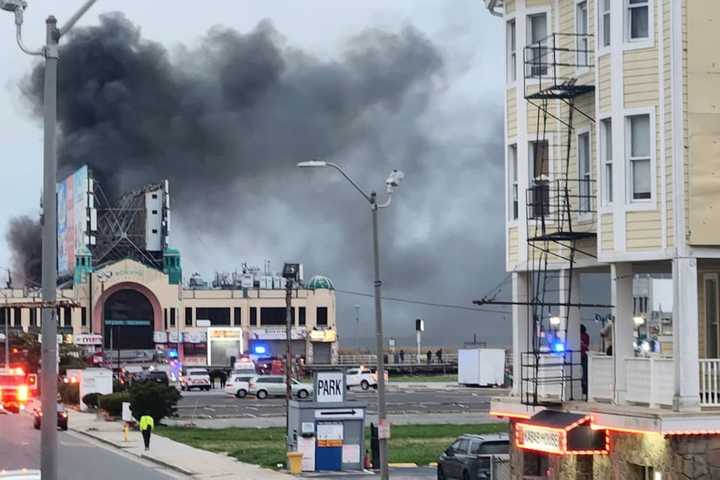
pixel 127 323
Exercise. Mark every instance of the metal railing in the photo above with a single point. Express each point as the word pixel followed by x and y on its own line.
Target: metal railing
pixel 554 62
pixel 409 359
pixel 560 201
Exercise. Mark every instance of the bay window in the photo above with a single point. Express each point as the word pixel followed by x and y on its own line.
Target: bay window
pixel 513 182
pixel 639 158
pixel 637 19
pixel 604 23
pixel 606 159
pixel 511 51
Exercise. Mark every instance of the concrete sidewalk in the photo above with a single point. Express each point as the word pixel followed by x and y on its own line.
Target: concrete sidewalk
pixel 182 458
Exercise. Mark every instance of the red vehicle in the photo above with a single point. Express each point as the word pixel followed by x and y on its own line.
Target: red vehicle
pixel 14 391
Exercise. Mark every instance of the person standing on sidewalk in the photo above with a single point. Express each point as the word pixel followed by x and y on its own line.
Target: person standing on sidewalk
pixel 147 424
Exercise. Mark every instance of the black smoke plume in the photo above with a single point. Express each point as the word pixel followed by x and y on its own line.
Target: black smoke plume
pixel 23 238
pixel 227 119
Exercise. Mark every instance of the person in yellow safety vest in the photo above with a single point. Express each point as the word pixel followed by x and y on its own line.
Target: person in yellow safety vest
pixel 146 427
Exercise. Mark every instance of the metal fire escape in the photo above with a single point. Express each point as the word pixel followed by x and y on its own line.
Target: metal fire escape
pixel 559 209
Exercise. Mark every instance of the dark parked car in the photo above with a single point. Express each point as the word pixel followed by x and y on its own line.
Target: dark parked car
pixel 473 456
pixel 62 417
pixel 155 376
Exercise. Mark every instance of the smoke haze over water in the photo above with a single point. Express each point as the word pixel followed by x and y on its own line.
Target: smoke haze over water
pixel 227 119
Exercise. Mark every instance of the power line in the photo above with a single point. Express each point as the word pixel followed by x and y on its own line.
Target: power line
pixel 428 304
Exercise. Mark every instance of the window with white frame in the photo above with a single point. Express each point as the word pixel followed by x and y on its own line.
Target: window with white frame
pixel 511 51
pixel 637 19
pixel 583 141
pixel 604 22
pixel 606 158
pixel 537 35
pixel 639 158
pixel 581 29
pixel 513 181
pixel 539 178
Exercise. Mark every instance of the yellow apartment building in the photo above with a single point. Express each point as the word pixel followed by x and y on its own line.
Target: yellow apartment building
pixel 612 134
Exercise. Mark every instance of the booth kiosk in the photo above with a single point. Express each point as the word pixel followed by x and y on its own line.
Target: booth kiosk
pixel 328 430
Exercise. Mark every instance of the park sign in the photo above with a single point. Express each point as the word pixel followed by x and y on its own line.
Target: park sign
pixel 330 386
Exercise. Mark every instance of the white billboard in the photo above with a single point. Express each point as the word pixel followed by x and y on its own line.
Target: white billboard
pixel 73 214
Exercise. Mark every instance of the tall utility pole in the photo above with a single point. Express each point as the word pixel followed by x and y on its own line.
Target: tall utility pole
pixel 288 354
pixel 50 52
pixel 49 461
pixel 392 182
pixel 379 343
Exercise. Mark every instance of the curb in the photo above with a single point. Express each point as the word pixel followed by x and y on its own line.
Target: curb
pixel 143 456
pixel 403 465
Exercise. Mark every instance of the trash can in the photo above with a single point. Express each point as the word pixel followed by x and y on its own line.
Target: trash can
pixel 294 462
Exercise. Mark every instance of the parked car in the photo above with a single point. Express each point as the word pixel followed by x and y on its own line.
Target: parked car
pixel 362 377
pixel 473 457
pixel 195 378
pixel 156 376
pixel 264 386
pixel 238 384
pixel 62 417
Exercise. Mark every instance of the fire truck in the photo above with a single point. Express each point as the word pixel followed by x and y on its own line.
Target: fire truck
pixel 14 389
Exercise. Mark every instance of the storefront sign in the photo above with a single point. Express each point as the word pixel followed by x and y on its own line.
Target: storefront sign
pixel 330 386
pixel 160 337
pixel 225 333
pixel 542 439
pixel 194 336
pixel 323 335
pixel 127 323
pixel 88 339
pixel 175 337
pixel 277 333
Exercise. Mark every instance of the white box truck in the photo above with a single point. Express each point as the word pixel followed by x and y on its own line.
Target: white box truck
pixel 481 366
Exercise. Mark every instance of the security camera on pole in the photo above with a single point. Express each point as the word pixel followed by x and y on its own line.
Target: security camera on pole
pixel 50 52
pixel 419 328
pixel 291 275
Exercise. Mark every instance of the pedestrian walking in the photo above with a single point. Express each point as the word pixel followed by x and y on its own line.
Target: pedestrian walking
pixel 402 356
pixel 147 424
pixel 223 380
pixel 429 356
pixel 438 354
pixel 584 347
pixel 396 357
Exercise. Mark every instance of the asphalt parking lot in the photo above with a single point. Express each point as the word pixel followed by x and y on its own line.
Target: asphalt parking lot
pixel 400 400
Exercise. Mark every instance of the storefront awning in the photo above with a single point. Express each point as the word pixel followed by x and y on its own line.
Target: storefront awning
pixel 564 433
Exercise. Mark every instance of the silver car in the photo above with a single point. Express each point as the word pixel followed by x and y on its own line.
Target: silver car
pixel 264 386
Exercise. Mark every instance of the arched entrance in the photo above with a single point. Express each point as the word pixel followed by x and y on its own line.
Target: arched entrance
pixel 128 316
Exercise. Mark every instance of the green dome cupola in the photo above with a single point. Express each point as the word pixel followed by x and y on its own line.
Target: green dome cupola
pixel 320 281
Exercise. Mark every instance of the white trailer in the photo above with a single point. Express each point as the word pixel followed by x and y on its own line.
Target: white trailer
pixel 481 366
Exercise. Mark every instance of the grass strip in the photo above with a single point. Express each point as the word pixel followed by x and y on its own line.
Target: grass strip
pixel 419 444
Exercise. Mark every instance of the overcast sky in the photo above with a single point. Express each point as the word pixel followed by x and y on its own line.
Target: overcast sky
pixel 440 121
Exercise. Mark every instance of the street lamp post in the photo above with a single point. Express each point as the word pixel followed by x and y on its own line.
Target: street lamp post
pixel 50 52
pixel 392 182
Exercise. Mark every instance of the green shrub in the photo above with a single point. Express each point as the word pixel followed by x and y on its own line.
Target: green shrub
pixel 69 393
pixel 120 386
pixel 153 399
pixel 91 400
pixel 112 403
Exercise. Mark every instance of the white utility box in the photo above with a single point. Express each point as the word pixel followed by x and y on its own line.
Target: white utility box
pixel 481 366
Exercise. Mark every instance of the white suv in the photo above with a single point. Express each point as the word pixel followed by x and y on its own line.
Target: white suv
pixel 195 379
pixel 362 377
pixel 238 385
pixel 274 386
